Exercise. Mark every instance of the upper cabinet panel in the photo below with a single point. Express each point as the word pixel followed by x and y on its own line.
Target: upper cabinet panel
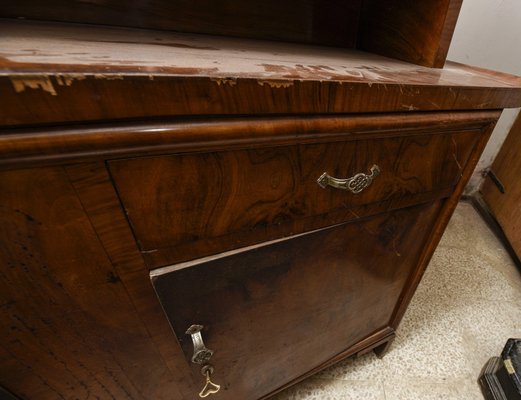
pixel 415 31
pixel 331 22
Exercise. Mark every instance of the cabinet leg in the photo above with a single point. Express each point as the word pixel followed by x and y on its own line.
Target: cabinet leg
pixel 381 350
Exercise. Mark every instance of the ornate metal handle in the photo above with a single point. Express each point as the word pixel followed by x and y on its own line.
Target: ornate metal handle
pixel 355 184
pixel 202 356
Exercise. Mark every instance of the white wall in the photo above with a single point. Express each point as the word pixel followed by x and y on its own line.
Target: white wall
pixel 488 34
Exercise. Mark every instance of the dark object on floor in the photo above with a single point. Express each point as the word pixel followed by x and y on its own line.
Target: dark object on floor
pixel 500 378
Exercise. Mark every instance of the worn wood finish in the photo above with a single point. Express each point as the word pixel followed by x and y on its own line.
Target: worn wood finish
pixel 252 306
pixel 505 206
pixel 39 146
pixel 333 23
pixel 415 31
pixel 69 328
pixel 183 199
pixel 169 113
pixel 77 73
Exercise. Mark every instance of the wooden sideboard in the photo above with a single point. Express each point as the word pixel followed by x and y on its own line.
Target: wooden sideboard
pixel 152 181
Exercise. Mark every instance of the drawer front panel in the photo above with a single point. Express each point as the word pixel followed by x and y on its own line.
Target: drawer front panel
pixel 235 198
pixel 274 312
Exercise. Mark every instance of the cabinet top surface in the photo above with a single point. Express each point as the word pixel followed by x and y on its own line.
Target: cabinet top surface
pixel 52 73
pixel 29 47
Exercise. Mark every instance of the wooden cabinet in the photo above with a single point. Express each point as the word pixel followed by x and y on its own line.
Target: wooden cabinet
pixel 285 198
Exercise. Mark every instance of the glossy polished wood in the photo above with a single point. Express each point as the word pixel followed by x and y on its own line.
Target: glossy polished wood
pixel 333 23
pixel 184 199
pixel 68 324
pixel 415 31
pixel 76 73
pixel 505 206
pixel 252 305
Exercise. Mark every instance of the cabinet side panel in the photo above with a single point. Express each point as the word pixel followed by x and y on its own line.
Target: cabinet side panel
pixel 505 206
pixel 415 31
pixel 67 325
pixel 438 229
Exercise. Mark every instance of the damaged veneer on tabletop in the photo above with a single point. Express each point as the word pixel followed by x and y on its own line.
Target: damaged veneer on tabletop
pixel 59 64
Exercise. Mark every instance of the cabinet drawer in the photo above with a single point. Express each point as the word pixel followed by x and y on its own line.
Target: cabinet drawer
pixel 273 312
pixel 206 203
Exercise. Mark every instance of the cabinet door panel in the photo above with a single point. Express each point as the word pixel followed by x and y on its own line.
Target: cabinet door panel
pixel 275 311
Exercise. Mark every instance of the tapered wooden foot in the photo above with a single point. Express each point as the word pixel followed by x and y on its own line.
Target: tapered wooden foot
pixel 382 349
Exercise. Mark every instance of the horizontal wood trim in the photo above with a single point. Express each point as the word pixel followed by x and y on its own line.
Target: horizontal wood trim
pixel 139 97
pixel 25 147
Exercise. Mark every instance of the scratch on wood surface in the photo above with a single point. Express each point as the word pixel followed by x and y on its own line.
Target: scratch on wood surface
pixel 276 84
pixel 455 157
pixel 109 77
pixel 225 81
pixel 410 107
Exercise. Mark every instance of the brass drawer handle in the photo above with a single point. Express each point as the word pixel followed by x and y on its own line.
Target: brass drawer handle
pixel 355 184
pixel 202 356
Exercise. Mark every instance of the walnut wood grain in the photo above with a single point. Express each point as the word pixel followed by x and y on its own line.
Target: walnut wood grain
pixel 505 206
pixel 53 145
pixel 415 31
pixel 251 304
pixel 77 73
pixel 69 328
pixel 223 199
pixel 310 21
pixel 99 199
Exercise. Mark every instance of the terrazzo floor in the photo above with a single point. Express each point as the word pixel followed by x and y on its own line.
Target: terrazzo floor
pixel 466 307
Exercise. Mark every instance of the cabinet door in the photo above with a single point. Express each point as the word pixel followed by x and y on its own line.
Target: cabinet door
pixel 275 311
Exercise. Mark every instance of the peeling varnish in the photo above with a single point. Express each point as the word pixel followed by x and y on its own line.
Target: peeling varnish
pixel 225 81
pixel 67 79
pixel 276 84
pixel 20 83
pixel 44 82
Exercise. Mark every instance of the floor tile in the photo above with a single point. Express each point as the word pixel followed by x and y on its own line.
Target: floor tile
pixel 427 390
pixel 326 389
